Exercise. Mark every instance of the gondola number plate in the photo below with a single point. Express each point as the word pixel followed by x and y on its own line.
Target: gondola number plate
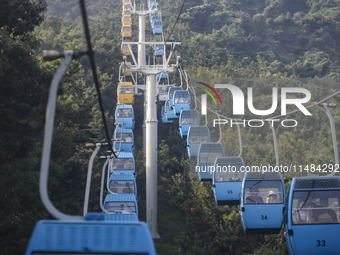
pixel 264 217
pixel 320 243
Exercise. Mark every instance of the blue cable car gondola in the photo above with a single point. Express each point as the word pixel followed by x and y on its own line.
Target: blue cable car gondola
pixel 122 184
pixel 152 4
pixel 90 237
pixel 123 164
pixel 171 95
pixel 123 140
pixel 227 180
pixel 112 217
pixel 188 118
pixel 262 202
pixel 181 101
pixel 154 17
pixel 159 50
pixel 162 76
pixel 169 112
pixel 164 118
pixel 312 221
pixel 120 204
pixel 207 154
pixel 157 27
pixel 125 116
pixel 196 136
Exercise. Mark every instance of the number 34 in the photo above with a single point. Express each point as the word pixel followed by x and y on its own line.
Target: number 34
pixel 320 243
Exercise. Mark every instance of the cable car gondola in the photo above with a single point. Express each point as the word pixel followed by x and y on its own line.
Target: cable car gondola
pixel 90 237
pixel 123 164
pixel 152 4
pixel 162 76
pixel 126 31
pixel 120 204
pixel 122 184
pixel 157 27
pixel 125 49
pixel 207 154
pixel 262 202
pixel 171 95
pixel 159 50
pixel 126 20
pixel 154 17
pixel 123 140
pixel 164 118
pixel 127 8
pixel 124 115
pixel 169 112
pixel 181 101
pixel 227 180
pixel 312 221
pixel 125 92
pixel 188 118
pixel 196 136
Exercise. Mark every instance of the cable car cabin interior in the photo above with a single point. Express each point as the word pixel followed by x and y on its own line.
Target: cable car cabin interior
pixel 126 31
pixel 122 184
pixel 90 237
pixel 188 118
pixel 181 101
pixel 164 118
pixel 169 112
pixel 196 136
pixel 262 202
pixel 126 20
pixel 125 49
pixel 159 50
pixel 312 223
pixel 171 95
pixel 126 94
pixel 123 140
pixel 227 180
pixel 123 164
pixel 207 154
pixel 124 116
pixel 120 204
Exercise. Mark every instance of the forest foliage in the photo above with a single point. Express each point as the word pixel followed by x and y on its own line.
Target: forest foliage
pixel 268 42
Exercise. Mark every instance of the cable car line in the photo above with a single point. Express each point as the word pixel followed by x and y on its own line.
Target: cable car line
pixel 173 27
pixel 94 71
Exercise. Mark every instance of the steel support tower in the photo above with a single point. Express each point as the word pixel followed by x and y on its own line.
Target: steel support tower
pixel 150 129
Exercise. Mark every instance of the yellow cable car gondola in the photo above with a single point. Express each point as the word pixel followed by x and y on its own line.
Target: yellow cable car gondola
pixel 125 93
pixel 126 31
pixel 127 8
pixel 125 50
pixel 126 20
